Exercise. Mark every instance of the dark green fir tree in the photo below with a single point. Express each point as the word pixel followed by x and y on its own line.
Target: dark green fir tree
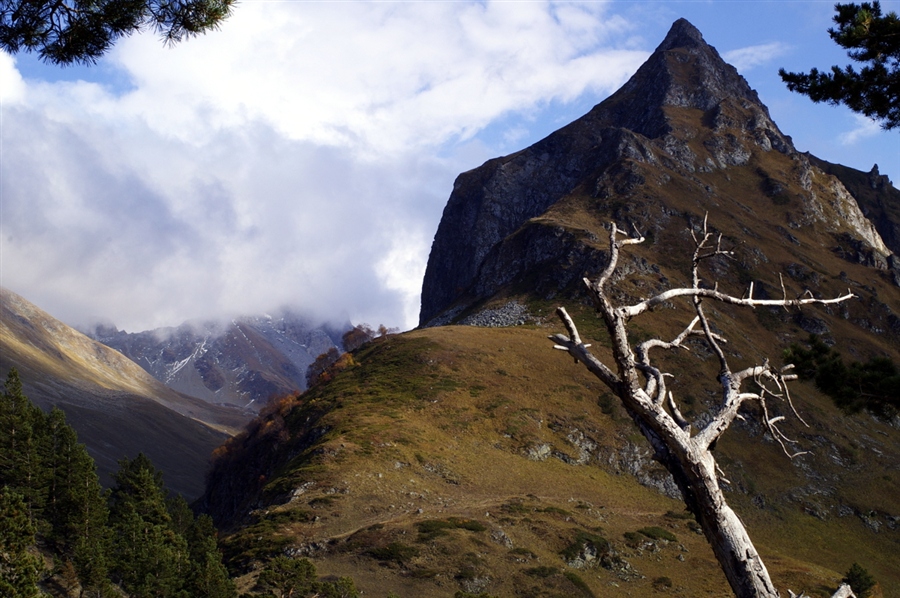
pixel 149 559
pixel 76 506
pixel 871 38
pixel 19 568
pixel 22 444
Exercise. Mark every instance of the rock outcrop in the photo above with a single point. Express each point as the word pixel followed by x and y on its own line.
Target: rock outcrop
pixel 685 121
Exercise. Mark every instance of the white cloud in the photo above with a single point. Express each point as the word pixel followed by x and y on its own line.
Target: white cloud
pixel 12 87
pixel 744 59
pixel 384 76
pixel 864 128
pixel 300 156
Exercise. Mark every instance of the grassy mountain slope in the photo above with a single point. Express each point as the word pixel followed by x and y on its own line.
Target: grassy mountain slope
pixel 117 408
pixel 477 459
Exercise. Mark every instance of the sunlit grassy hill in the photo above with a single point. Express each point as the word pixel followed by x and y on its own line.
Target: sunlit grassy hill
pixel 463 458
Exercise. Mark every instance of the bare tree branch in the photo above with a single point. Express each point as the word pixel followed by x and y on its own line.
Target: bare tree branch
pixel 579 351
pixel 689 457
pixel 630 311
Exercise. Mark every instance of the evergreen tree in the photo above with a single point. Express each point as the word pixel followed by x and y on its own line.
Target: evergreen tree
pixel 181 515
pixel 873 385
pixel 153 547
pixel 342 588
pixel 76 505
pixel 860 580
pixel 71 31
pixel 209 577
pixel 149 558
pixel 285 577
pixel 19 569
pixel 22 438
pixel 871 38
pixel 288 578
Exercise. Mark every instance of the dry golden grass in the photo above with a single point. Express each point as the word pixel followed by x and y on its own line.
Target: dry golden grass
pixel 436 424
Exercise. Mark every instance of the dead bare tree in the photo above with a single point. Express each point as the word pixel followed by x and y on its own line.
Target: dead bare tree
pixel 687 453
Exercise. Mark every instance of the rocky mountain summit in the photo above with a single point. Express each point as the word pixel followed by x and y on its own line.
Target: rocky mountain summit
pixel 242 363
pixel 685 124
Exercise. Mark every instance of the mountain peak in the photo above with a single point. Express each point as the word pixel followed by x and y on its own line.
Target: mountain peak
pixel 685 107
pixel 682 35
pixel 683 72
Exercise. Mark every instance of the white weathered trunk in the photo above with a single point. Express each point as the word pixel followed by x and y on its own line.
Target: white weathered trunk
pixel 727 536
pixel 642 390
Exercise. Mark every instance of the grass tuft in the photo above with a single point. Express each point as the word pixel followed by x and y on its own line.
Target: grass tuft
pixel 658 533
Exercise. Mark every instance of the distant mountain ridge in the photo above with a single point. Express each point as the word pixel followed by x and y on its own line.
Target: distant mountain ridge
pixel 243 362
pixel 116 407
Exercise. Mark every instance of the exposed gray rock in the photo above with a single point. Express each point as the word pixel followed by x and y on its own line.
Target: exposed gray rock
pixel 587 557
pixel 475 585
pixel 586 447
pixel 500 537
pixel 539 452
pixel 511 314
pixel 847 208
pixel 811 324
pixel 637 461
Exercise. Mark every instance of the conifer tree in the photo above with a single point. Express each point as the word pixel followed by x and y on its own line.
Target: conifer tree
pixel 860 580
pixel 72 31
pixel 209 577
pixel 76 505
pixel 19 569
pixel 873 39
pixel 149 558
pixel 286 577
pixel 22 445
pixel 153 547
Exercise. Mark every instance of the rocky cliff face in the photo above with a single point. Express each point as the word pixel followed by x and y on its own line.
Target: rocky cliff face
pixel 243 363
pixel 686 122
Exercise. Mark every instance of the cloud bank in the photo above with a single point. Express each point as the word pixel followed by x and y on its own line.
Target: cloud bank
pixel 300 157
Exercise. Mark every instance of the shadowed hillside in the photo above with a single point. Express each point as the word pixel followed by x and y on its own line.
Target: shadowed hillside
pixel 117 408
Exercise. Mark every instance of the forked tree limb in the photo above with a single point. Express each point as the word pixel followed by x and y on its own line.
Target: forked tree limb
pixel 687 456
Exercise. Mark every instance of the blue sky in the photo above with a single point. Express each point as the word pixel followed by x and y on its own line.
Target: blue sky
pixel 301 156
